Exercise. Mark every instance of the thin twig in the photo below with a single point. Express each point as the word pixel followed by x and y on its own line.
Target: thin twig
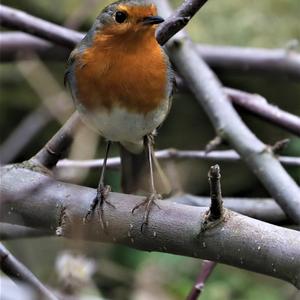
pixel 168 154
pixel 216 206
pixel 213 144
pixel 279 146
pixel 207 268
pixel 215 215
pixel 19 273
pixel 52 152
pixel 259 106
pixel 178 20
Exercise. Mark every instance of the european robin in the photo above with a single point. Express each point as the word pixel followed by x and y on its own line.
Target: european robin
pixel 121 83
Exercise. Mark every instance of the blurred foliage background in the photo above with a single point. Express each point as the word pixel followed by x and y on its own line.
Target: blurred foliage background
pixel 122 273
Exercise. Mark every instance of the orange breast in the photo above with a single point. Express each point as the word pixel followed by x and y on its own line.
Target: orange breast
pixel 130 72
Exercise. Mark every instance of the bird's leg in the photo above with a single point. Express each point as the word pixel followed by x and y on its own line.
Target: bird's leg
pixel 150 200
pixel 102 192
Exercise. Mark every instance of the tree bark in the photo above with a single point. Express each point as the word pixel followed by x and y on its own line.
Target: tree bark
pixel 33 199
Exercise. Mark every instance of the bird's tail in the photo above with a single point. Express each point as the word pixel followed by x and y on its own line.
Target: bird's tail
pixel 136 173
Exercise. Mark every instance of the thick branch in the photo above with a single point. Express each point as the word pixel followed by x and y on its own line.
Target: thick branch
pixel 36 200
pixel 19 273
pixel 208 91
pixel 259 208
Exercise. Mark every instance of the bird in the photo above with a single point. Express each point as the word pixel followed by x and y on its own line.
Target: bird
pixel 121 82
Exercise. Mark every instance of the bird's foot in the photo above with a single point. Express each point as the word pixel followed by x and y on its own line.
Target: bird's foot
pixel 98 202
pixel 148 203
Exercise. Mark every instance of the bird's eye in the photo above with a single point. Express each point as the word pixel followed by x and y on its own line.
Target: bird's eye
pixel 120 16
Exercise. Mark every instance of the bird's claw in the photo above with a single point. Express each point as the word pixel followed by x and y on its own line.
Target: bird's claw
pixel 102 194
pixel 148 202
pixel 101 198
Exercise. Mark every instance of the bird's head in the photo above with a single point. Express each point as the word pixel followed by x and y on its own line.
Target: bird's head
pixel 128 17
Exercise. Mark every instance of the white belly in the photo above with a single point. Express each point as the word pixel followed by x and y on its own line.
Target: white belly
pixel 123 126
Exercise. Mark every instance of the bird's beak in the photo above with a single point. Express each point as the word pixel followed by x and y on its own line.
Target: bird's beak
pixel 152 20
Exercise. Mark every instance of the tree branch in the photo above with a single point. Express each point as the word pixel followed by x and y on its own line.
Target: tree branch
pixel 36 200
pixel 259 208
pixel 16 19
pixel 216 210
pixel 11 232
pixel 208 91
pixel 19 273
pixel 52 152
pixel 207 268
pixel 257 60
pixel 263 209
pixel 178 19
pixel 259 106
pixel 15 44
pixel 171 154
